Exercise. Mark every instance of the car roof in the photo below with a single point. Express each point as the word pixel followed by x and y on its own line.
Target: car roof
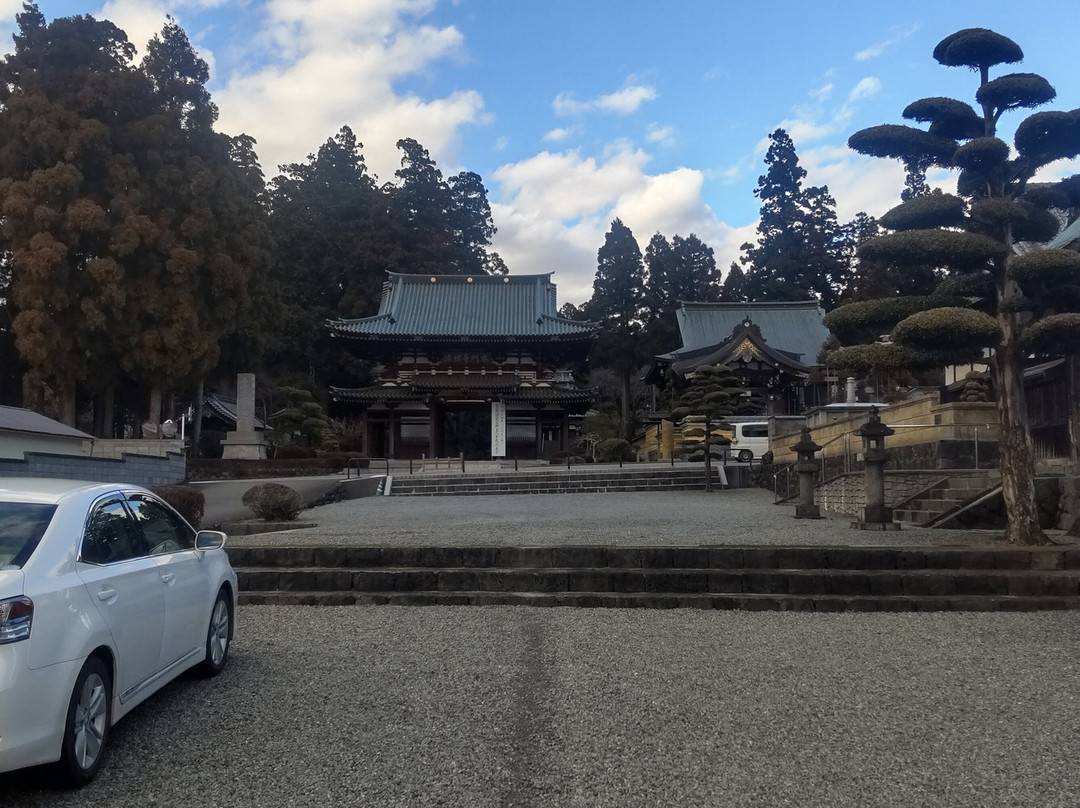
pixel 47 491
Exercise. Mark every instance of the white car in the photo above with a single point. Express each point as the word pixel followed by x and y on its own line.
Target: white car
pixel 106 595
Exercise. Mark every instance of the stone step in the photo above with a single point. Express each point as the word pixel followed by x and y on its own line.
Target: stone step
pixel 466 490
pixel 938 582
pixel 598 481
pixel 706 557
pixel 745 601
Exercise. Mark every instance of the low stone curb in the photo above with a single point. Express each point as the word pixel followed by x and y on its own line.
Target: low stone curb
pixel 253 527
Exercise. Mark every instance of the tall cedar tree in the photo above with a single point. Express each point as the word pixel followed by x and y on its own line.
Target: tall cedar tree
pixel 798 252
pixel 335 244
pixel 1024 302
pixel 131 237
pixel 446 225
pixel 682 269
pixel 616 304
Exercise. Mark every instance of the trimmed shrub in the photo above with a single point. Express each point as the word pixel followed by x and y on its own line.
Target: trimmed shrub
pixel 187 500
pixel 614 449
pixel 290 451
pixel 274 502
pixel 560 458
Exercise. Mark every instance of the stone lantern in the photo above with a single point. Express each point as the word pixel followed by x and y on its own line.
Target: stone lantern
pixel 807 468
pixel 875 515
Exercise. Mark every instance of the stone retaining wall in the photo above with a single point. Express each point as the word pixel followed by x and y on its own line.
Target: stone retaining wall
pixel 136 469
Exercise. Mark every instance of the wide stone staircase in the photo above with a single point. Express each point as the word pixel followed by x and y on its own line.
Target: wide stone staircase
pixel 705 577
pixel 579 480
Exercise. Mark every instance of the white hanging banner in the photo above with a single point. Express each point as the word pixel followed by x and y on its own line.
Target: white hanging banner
pixel 498 429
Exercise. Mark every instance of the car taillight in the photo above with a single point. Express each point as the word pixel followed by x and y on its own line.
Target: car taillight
pixel 16 615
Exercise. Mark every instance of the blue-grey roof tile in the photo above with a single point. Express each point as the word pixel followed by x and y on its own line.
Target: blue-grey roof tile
pixel 458 306
pixel 794 327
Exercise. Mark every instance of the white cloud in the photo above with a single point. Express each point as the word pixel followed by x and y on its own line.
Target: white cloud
pixel 857 183
pixel 554 210
pixel 822 93
pixel 556 135
pixel 8 10
pixel 623 102
pixel 329 63
pixel 864 89
pixel 662 135
pixel 141 20
pixel 1057 170
pixel 899 33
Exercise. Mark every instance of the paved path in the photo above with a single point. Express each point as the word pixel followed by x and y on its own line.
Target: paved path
pixel 493 707
pixel 738 516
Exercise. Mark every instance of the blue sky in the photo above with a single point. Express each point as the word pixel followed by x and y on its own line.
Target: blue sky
pixel 578 111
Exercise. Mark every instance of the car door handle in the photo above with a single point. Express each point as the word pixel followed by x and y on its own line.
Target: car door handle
pixel 168 577
pixel 107 595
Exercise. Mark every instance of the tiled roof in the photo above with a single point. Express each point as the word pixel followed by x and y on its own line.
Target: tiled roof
pixel 792 327
pixel 1066 237
pixel 460 381
pixel 16 419
pixel 225 408
pixel 457 306
pixel 542 393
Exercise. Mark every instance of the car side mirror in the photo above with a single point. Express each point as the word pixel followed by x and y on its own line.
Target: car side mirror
pixel 209 540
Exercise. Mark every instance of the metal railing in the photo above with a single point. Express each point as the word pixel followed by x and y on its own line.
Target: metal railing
pixel 356 461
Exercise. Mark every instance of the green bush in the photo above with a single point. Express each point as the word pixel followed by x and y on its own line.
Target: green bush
pixel 187 500
pixel 613 450
pixel 290 451
pixel 274 502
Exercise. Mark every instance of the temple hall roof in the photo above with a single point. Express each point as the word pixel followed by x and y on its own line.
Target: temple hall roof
pixel 794 328
pixel 460 307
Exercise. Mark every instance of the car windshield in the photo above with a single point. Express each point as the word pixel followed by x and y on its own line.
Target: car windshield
pixel 22 524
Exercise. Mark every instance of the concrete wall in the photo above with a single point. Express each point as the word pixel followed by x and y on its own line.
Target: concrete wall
pixel 13 445
pixel 117 448
pixel 928 435
pixel 136 469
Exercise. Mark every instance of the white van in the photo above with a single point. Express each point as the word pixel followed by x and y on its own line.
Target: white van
pixel 751 440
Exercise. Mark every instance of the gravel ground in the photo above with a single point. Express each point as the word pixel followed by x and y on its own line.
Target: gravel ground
pixel 452 706
pixel 737 516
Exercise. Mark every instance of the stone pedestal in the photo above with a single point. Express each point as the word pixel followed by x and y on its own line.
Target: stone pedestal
pixel 243 446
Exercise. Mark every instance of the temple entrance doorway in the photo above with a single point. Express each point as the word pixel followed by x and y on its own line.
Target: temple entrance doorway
pixel 467 430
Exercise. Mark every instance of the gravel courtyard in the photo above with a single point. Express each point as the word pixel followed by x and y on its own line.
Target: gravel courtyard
pixel 737 516
pixel 501 706
pixel 465 706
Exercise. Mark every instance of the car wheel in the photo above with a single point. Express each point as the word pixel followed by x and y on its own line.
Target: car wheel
pixel 218 635
pixel 86 733
pixel 745 455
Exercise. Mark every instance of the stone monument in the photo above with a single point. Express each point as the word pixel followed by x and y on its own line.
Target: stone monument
pixel 245 443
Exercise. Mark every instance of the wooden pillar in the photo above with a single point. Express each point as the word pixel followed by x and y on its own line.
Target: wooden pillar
pixel 391 443
pixel 436 427
pixel 539 433
pixel 564 432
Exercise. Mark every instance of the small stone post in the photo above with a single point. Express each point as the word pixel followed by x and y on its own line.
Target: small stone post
pixel 807 468
pixel 876 516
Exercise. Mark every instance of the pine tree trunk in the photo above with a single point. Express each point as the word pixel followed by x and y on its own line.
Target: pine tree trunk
pixel 1016 458
pixel 624 426
pixel 1074 407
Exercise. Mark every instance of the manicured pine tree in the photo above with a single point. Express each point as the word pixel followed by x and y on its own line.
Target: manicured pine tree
pixel 997 294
